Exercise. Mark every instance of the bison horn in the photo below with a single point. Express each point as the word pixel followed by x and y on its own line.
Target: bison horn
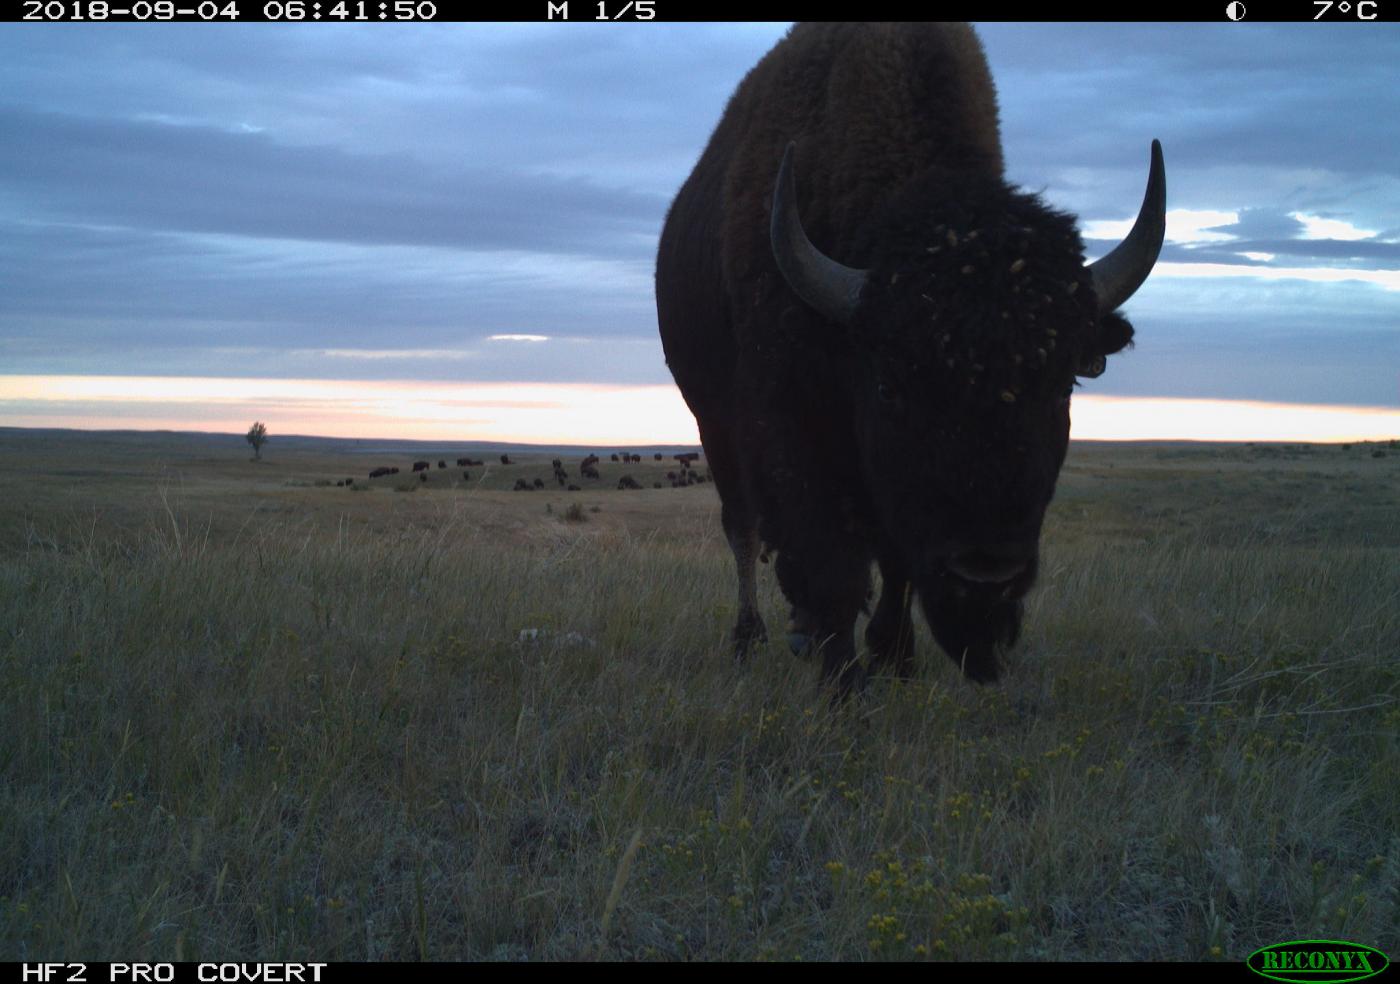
pixel 1121 272
pixel 828 286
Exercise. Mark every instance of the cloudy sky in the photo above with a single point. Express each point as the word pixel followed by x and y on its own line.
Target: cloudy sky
pixel 424 230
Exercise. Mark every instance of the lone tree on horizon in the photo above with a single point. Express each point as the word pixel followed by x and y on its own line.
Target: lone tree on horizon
pixel 257 437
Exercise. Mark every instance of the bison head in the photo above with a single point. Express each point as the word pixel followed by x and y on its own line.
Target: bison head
pixel 966 329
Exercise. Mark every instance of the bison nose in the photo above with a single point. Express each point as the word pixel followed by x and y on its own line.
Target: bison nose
pixel 992 565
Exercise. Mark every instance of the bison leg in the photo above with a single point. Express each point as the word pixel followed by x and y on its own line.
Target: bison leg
pixel 841 667
pixel 749 627
pixel 890 634
pixel 802 632
pixel 740 528
pixel 826 597
pixel 973 628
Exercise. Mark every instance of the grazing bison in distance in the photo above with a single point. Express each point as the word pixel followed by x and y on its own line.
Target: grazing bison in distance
pixel 847 267
pixel 421 466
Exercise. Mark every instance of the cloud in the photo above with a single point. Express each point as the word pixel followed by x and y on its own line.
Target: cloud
pixel 200 179
pixel 262 200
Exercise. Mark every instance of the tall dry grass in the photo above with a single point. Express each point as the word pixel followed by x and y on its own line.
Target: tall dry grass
pixel 278 739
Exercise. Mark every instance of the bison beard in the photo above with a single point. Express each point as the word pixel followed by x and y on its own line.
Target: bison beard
pixel 888 293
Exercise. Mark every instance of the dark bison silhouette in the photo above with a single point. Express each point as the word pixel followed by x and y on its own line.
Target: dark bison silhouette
pixel 846 267
pixel 421 466
pixel 505 459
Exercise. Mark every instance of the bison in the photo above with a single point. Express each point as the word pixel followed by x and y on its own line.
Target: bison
pixel 628 482
pixel 846 266
pixel 420 466
pixel 505 459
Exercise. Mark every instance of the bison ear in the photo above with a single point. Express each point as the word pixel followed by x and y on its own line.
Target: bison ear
pixel 1115 334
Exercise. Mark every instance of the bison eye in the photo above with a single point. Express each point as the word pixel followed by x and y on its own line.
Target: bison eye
pixel 1093 368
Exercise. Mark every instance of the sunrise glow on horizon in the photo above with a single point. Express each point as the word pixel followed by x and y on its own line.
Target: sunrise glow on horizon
pixel 574 413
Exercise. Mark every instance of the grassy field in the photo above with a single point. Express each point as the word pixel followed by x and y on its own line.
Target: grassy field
pixel 251 715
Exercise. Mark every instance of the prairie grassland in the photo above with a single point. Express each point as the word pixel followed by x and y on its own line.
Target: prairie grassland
pixel 253 717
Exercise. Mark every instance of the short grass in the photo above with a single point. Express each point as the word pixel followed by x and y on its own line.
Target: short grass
pixel 253 716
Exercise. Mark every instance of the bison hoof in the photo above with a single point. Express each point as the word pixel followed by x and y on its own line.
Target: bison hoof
pixel 900 666
pixel 747 632
pixel 849 683
pixel 800 643
pixel 979 664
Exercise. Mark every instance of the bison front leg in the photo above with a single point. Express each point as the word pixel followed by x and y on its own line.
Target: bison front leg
pixel 748 628
pixel 890 634
pixel 826 597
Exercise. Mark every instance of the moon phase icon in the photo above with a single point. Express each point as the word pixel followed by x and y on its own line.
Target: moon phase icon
pixel 1235 11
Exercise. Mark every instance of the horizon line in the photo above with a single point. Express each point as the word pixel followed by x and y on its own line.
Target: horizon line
pixel 580 414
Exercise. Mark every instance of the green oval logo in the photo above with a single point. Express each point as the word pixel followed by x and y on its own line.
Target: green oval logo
pixel 1317 961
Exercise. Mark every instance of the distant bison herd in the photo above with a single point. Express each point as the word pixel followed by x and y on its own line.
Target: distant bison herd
pixel 588 468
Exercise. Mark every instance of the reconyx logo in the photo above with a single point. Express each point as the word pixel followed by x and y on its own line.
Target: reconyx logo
pixel 1324 961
